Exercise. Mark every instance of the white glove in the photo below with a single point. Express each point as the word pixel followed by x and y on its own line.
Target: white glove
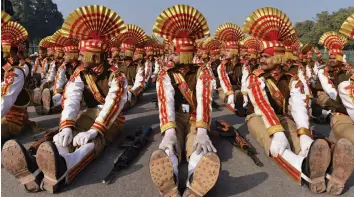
pixel 305 143
pixel 57 99
pixel 279 144
pixel 83 137
pixel 64 137
pixel 169 140
pixel 231 100
pixel 245 101
pixel 202 142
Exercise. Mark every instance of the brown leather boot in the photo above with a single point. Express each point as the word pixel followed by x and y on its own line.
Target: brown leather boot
pixel 342 166
pixel 53 167
pixel 21 164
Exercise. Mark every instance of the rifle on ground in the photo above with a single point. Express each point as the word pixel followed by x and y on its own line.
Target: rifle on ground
pixel 215 106
pixel 236 139
pixel 122 161
pixel 40 138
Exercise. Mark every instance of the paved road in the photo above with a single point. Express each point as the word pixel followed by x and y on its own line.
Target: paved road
pixel 239 175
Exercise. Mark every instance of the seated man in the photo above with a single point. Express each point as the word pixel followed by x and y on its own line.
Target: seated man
pixel 42 95
pixel 104 90
pixel 230 69
pixel 14 96
pixel 184 92
pixel 52 98
pixel 132 65
pixel 335 87
pixel 272 93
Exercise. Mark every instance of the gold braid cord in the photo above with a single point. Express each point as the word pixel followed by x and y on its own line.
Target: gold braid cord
pixel 134 35
pixel 5 18
pixel 333 40
pixel 348 27
pixel 47 42
pixel 269 24
pixel 60 39
pixel 181 21
pixel 229 32
pixel 13 32
pixel 93 22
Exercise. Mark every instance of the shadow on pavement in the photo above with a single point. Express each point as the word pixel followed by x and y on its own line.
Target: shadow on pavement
pixel 229 186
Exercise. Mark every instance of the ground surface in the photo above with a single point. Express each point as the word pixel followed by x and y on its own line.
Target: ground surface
pixel 239 176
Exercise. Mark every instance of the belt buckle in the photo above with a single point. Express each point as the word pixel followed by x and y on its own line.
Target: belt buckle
pixel 185 108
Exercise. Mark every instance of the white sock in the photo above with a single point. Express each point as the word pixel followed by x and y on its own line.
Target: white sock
pixel 62 150
pixel 193 161
pixel 174 161
pixel 74 158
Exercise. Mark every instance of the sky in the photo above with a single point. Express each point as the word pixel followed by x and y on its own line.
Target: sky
pixel 144 12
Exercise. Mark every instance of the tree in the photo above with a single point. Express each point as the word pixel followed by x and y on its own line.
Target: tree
pixel 41 18
pixel 311 31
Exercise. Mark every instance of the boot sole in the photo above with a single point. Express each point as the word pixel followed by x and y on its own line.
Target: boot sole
pixel 37 96
pixel 46 161
pixel 46 101
pixel 205 176
pixel 15 162
pixel 319 159
pixel 343 166
pixel 161 172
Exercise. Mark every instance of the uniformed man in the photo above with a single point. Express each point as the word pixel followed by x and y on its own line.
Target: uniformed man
pixel 287 138
pixel 335 87
pixel 54 95
pixel 184 93
pixel 230 69
pixel 14 96
pixel 132 65
pixel 81 138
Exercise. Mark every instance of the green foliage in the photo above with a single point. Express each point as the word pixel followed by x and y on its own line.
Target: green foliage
pixel 41 18
pixel 311 31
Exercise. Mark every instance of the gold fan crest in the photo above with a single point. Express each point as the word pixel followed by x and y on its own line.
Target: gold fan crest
pixel 252 43
pixel 181 21
pixel 5 18
pixel 13 31
pixel 269 24
pixel 134 35
pixel 348 27
pixel 296 46
pixel 332 40
pixel 47 42
pixel 60 39
pixel 212 43
pixel 306 48
pixel 151 41
pixel 93 22
pixel 229 32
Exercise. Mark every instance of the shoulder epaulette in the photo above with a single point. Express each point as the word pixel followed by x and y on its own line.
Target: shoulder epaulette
pixel 113 68
pixel 347 68
pixel 80 68
pixel 326 69
pixel 168 67
pixel 7 67
pixel 258 72
pixel 291 73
